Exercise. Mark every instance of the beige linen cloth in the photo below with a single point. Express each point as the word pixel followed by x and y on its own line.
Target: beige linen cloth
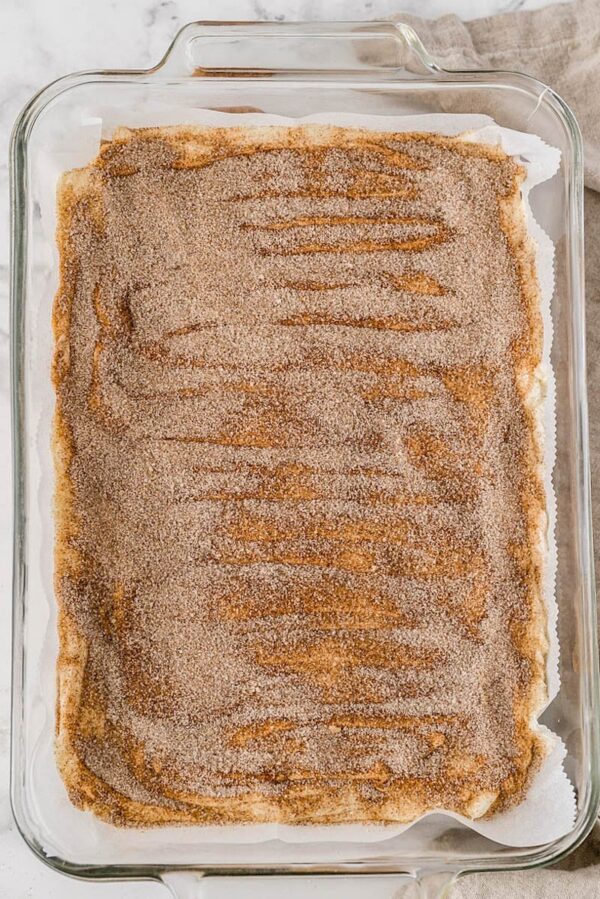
pixel 560 45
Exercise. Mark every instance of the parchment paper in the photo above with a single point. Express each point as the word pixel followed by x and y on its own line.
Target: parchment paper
pixel 549 808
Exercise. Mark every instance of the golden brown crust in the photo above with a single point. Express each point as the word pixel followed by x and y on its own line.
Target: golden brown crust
pixel 531 637
pixel 406 799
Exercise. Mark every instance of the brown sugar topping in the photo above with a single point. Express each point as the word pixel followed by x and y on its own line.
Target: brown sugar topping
pixel 299 510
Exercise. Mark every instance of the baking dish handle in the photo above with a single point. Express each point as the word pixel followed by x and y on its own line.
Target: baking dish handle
pixel 426 885
pixel 269 48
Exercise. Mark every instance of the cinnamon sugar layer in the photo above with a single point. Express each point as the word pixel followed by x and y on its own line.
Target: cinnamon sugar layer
pixel 298 494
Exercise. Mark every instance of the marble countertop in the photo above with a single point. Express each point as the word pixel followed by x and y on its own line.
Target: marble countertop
pixel 40 41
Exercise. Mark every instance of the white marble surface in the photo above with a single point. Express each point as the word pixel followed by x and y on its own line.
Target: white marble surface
pixel 39 41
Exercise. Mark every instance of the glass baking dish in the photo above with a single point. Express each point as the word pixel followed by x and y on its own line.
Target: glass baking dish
pixel 295 70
